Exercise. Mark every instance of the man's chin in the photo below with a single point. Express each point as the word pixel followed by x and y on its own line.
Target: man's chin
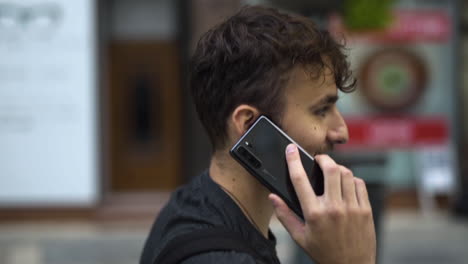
pixel 322 153
pixel 328 151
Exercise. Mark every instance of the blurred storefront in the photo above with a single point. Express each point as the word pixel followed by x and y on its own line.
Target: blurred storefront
pixel 405 105
pixel 94 108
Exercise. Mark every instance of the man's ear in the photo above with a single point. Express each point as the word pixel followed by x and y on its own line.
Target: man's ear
pixel 242 118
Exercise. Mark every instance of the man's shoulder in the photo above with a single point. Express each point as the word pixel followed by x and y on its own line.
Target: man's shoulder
pixel 191 207
pixel 225 257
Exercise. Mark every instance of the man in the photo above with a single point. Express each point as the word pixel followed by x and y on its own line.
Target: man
pixel 263 62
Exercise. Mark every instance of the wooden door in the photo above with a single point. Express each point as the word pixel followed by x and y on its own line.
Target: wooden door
pixel 144 116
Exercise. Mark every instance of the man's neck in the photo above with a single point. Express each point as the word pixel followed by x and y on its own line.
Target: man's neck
pixel 244 189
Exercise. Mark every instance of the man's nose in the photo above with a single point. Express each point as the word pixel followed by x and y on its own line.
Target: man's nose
pixel 338 131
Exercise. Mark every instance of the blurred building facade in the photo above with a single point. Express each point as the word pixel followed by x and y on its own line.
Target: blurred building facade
pixel 110 120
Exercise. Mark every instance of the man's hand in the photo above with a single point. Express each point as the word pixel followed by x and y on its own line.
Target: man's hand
pixel 338 225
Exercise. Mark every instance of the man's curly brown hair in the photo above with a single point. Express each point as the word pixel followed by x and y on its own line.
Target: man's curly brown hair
pixel 248 58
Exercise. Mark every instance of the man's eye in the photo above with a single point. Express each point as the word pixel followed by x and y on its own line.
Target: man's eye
pixel 322 111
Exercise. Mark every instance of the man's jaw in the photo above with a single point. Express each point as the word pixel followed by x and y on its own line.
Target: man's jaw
pixel 325 149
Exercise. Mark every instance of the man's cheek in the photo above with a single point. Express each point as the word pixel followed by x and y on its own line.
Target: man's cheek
pixel 317 145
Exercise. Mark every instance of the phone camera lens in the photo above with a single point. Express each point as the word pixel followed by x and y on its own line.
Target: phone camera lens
pixel 251 159
pixel 242 151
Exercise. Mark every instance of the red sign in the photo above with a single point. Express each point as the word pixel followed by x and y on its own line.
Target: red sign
pixel 406 26
pixel 396 132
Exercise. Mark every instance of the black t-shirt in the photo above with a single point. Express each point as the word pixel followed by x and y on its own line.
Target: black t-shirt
pixel 203 204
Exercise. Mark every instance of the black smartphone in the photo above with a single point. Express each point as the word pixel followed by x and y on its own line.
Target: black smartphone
pixel 262 152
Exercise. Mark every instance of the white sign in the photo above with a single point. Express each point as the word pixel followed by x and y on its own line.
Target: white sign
pixel 48 147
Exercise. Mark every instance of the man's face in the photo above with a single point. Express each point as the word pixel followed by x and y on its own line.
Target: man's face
pixel 310 116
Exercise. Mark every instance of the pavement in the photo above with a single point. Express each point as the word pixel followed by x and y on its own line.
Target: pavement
pixel 407 236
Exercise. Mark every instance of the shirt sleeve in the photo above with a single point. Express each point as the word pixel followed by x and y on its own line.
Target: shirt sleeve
pixel 216 257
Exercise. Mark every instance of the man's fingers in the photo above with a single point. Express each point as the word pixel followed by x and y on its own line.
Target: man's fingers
pixel 361 193
pixel 332 177
pixel 348 187
pixel 288 218
pixel 299 179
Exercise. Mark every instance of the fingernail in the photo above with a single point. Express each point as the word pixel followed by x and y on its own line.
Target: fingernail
pixel 274 202
pixel 291 149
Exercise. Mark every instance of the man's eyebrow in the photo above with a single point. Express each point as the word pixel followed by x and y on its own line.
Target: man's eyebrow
pixel 328 99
